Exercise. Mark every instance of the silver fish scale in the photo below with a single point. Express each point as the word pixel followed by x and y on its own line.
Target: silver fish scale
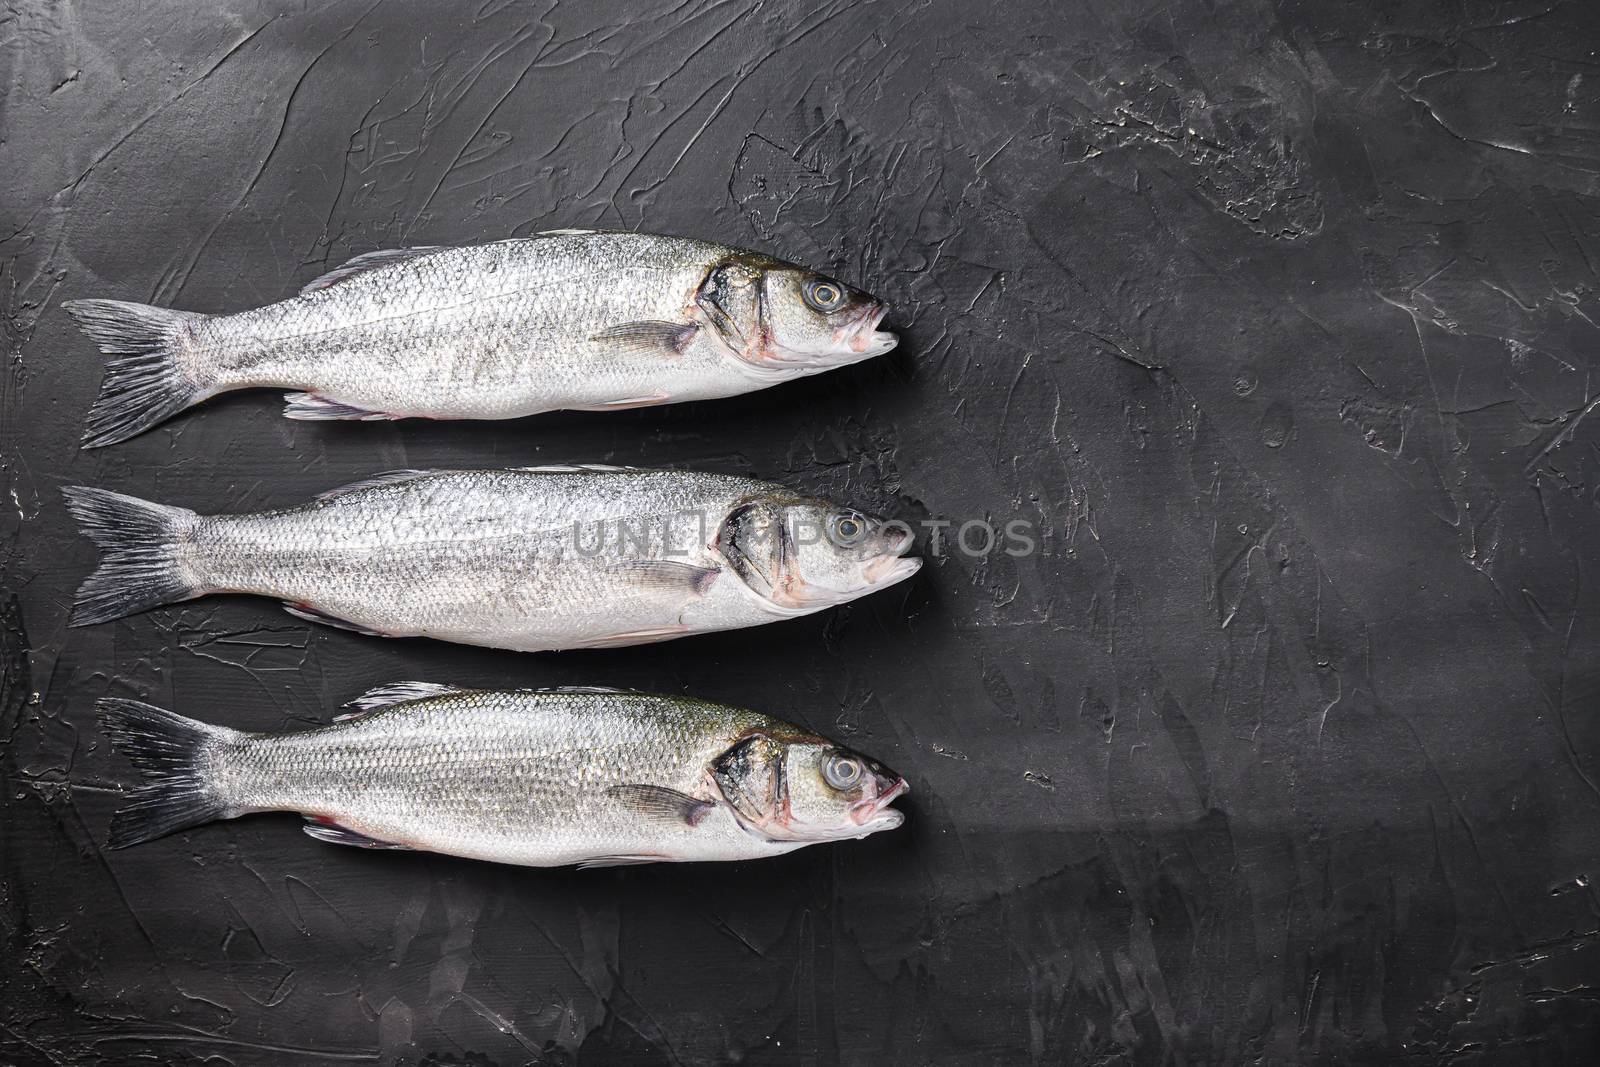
pixel 488 331
pixel 490 557
pixel 513 777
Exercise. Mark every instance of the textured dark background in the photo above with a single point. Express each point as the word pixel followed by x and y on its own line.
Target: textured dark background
pixel 1279 317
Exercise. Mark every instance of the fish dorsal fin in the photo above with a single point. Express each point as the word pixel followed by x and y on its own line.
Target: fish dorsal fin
pixel 385 696
pixel 589 690
pixel 577 468
pixel 386 478
pixel 383 257
pixel 565 233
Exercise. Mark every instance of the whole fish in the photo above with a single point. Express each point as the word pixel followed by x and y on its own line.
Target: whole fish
pixel 595 777
pixel 530 558
pixel 575 319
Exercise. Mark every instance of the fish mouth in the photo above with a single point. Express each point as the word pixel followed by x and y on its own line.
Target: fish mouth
pixel 797 597
pixel 866 340
pixel 853 340
pixel 886 572
pixel 876 814
pixel 893 566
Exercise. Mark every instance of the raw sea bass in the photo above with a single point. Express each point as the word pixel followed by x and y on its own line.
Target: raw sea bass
pixel 566 319
pixel 530 559
pixel 594 777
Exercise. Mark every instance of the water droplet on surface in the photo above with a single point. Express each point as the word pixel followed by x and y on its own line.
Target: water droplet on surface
pixel 1277 425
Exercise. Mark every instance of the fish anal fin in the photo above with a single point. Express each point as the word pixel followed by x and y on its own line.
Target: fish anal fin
pixel 649 335
pixel 327 830
pixel 635 637
pixel 309 407
pixel 661 803
pixel 617 861
pixel 383 257
pixel 653 400
pixel 386 696
pixel 311 614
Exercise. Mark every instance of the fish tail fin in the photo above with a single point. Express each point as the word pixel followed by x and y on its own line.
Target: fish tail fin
pixel 178 757
pixel 146 382
pixel 142 566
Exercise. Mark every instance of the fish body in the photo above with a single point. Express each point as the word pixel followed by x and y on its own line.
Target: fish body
pixel 528 559
pixel 546 778
pixel 565 320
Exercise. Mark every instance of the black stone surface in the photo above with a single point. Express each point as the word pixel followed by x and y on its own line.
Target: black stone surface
pixel 1279 320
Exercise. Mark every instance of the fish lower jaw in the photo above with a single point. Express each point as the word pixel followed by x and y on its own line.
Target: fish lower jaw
pixel 879 575
pixel 884 819
pixel 779 365
pixel 887 819
pixel 886 572
pixel 876 343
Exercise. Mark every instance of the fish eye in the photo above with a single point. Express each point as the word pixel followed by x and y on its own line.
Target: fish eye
pixel 841 772
pixel 823 295
pixel 848 527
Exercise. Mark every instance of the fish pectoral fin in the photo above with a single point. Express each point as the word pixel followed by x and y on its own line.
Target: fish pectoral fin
pixel 650 401
pixel 309 407
pixel 617 861
pixel 668 575
pixel 650 335
pixel 365 262
pixel 311 614
pixel 660 803
pixel 335 834
pixel 386 696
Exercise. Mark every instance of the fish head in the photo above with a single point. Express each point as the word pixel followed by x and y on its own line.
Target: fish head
pixel 776 316
pixel 806 788
pixel 801 555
